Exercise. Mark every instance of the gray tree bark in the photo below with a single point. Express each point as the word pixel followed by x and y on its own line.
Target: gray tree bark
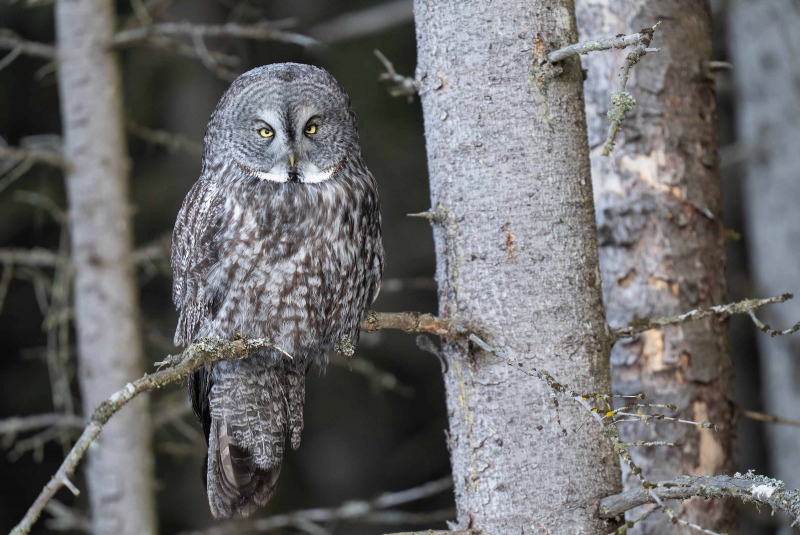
pixel 120 470
pixel 517 260
pixel 661 240
pixel 764 47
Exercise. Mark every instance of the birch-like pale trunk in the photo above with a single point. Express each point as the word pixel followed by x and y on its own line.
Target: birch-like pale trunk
pixel 120 469
pixel 764 48
pixel 661 241
pixel 517 260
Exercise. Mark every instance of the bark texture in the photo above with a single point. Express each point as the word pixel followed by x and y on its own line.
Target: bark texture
pixel 764 47
pixel 517 260
pixel 120 471
pixel 661 240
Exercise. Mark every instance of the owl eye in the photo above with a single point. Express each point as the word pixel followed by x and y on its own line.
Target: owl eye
pixel 266 132
pixel 311 129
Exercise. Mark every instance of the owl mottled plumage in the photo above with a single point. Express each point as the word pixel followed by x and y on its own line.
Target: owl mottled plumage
pixel 280 238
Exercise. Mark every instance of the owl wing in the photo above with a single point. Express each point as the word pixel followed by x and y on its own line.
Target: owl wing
pixel 376 270
pixel 194 252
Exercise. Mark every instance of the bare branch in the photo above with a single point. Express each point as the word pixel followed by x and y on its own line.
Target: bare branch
pixel 37 257
pixel 173 142
pixel 375 511
pixel 770 331
pixel 402 86
pixel 745 306
pixel 768 418
pixel 34 155
pixel 748 487
pixel 365 22
pixel 23 424
pixel 265 30
pixel 9 40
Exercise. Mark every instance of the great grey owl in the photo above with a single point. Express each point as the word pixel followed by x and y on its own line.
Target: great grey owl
pixel 281 238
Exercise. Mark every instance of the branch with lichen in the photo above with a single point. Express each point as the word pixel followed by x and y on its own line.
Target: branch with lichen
pixel 746 306
pixel 747 487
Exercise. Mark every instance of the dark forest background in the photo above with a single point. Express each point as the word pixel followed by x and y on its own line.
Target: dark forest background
pixel 361 438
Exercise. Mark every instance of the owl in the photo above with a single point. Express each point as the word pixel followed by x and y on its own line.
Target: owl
pixel 280 237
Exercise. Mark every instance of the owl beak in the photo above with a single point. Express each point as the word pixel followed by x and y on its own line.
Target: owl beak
pixel 293 174
pixel 291 160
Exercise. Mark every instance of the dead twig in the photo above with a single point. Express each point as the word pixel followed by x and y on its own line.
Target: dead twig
pixel 401 86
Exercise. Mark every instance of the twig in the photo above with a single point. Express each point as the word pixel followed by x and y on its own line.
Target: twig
pixel 747 487
pixel 34 155
pixel 378 378
pixel 402 86
pixel 622 100
pixel 173 142
pixel 375 511
pixel 22 424
pixel 364 22
pixel 272 31
pixel 745 306
pixel 769 418
pixel 37 257
pixel 620 41
pixel 9 40
pixel 770 331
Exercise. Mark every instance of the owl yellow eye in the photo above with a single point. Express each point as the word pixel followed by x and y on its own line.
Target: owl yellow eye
pixel 265 132
pixel 311 129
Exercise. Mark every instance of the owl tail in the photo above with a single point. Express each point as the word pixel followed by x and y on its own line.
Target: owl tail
pixel 251 411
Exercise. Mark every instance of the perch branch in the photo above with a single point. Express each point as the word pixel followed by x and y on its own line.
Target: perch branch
pixel 410 322
pixel 746 487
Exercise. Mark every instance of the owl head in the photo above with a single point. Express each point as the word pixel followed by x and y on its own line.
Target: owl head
pixel 284 122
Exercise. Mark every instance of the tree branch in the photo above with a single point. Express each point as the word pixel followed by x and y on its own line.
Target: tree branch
pixel 10 40
pixel 620 41
pixel 34 155
pixel 204 352
pixel 747 487
pixel 746 306
pixel 411 322
pixel 364 22
pixel 376 511
pixel 272 31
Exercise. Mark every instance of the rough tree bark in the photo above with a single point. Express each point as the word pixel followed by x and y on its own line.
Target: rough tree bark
pixel 517 260
pixel 764 47
pixel 661 241
pixel 120 471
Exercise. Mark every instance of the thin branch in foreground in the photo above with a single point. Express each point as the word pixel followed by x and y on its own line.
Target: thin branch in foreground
pixel 745 306
pixel 769 330
pixel 204 352
pixel 379 510
pixel 411 322
pixel 746 487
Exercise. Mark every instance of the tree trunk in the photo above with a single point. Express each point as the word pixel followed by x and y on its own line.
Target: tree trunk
pixel 661 240
pixel 120 470
pixel 764 47
pixel 516 261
